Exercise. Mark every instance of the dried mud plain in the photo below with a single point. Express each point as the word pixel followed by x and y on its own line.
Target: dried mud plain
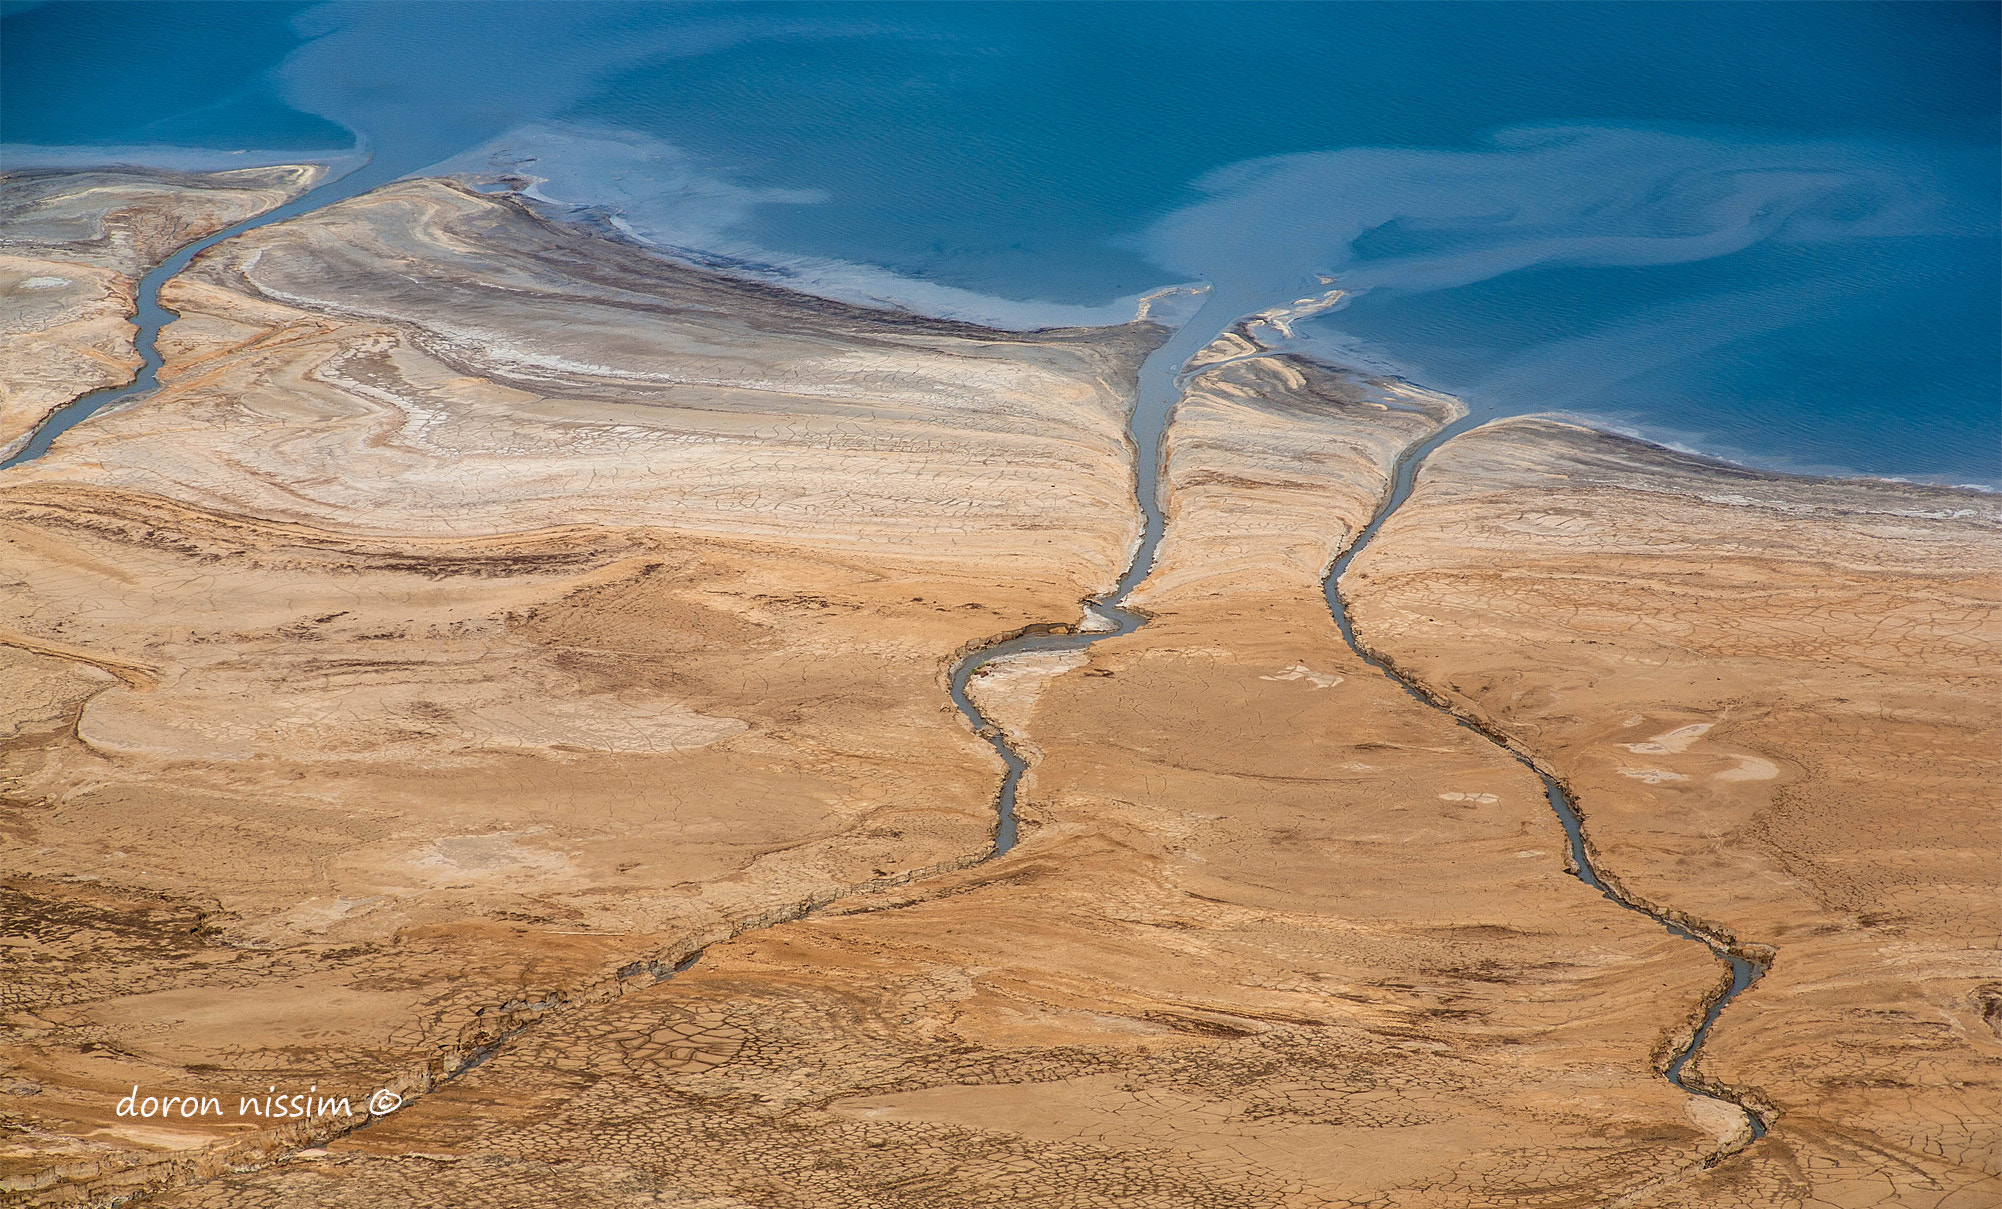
pixel 509 669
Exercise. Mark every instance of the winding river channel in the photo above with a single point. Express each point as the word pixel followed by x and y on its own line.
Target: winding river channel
pixel 1160 384
pixel 1744 970
pixel 1161 380
pixel 150 317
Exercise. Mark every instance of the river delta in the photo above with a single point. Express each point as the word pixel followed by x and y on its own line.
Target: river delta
pixel 694 743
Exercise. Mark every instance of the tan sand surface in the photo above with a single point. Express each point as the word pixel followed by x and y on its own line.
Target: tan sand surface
pixel 1776 701
pixel 379 685
pixel 1276 934
pixel 488 616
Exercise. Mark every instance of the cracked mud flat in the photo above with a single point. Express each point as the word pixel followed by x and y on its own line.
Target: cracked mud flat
pixel 486 617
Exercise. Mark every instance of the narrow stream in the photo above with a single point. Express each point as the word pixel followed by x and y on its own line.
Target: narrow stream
pixel 1744 970
pixel 151 317
pixel 1160 383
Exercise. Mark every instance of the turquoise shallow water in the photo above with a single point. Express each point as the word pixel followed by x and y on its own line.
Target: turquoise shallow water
pixel 1767 231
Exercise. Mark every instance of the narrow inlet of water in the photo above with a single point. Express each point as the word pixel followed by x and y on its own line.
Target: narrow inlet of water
pixel 1744 970
pixel 150 317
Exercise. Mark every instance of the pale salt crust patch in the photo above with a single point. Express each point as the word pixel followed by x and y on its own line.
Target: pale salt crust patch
pixel 1485 799
pixel 455 857
pixel 1677 741
pixel 44 283
pixel 1670 742
pixel 996 673
pixel 1720 1120
pixel 1750 768
pixel 1096 622
pixel 1653 776
pixel 1007 689
pixel 1301 671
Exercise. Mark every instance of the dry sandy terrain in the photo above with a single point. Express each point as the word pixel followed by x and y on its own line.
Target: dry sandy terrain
pixel 73 246
pixel 487 617
pixel 485 610
pixel 1775 700
pixel 1276 935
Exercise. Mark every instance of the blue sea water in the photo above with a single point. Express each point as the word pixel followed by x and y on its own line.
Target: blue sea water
pixel 1768 231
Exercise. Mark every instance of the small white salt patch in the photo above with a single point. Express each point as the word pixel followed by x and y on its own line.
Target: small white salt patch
pixel 1653 776
pixel 1750 768
pixel 1723 1122
pixel 1670 742
pixel 1096 622
pixel 1301 671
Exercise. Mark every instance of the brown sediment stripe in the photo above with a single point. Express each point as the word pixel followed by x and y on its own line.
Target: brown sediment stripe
pixel 137 676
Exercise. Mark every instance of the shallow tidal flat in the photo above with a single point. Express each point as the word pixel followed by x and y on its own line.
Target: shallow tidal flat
pixel 73 246
pixel 486 616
